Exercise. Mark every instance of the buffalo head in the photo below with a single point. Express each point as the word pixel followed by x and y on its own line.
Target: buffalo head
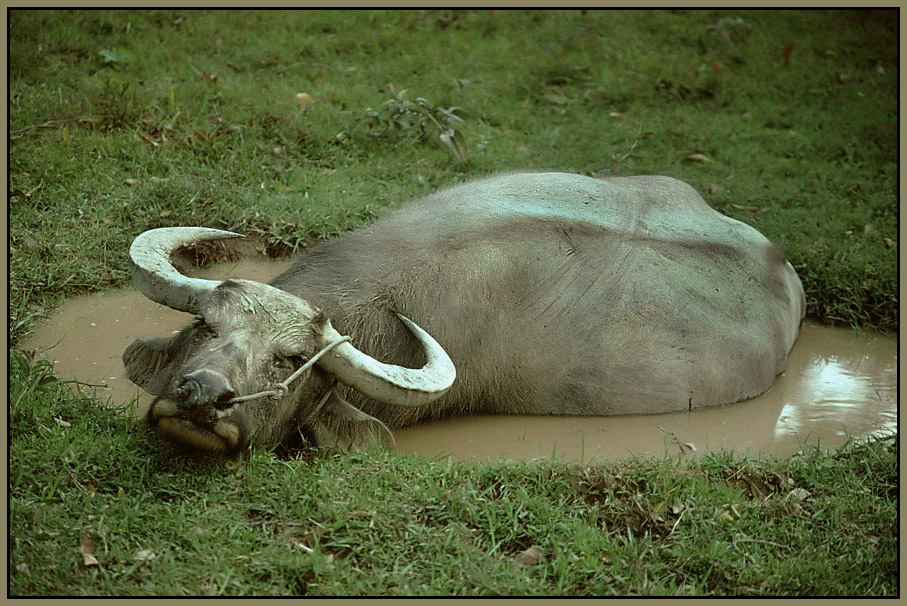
pixel 226 381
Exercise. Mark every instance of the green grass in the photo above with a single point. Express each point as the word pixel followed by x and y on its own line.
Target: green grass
pixel 317 523
pixel 121 121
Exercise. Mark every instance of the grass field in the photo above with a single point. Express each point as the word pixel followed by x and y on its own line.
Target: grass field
pixel 294 126
pixel 100 507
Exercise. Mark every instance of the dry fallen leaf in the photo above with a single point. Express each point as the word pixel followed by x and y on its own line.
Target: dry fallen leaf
pixel 301 543
pixel 86 549
pixel 697 158
pixel 150 140
pixel 715 67
pixel 530 557
pixel 714 188
pixel 738 207
pixel 788 49
pixel 655 514
pixel 144 555
pixel 305 541
pixel 798 494
pixel 304 100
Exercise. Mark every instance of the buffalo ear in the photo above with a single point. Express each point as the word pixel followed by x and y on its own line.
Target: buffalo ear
pixel 147 364
pixel 339 424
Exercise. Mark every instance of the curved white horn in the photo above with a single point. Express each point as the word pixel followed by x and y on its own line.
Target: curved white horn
pixel 389 383
pixel 154 274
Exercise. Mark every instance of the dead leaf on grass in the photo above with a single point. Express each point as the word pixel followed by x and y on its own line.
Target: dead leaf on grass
pixel 304 100
pixel 738 207
pixel 697 158
pixel 530 557
pixel 306 541
pixel 715 67
pixel 149 140
pixel 87 549
pixel 144 555
pixel 786 52
pixel 798 494
pixel 714 189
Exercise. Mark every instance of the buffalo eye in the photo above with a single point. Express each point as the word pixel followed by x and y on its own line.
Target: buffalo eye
pixel 203 328
pixel 287 362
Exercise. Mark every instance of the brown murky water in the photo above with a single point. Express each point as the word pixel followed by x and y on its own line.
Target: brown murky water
pixel 838 384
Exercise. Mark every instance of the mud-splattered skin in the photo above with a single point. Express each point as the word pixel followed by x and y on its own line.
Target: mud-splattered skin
pixel 551 294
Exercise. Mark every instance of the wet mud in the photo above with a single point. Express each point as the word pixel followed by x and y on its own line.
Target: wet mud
pixel 839 384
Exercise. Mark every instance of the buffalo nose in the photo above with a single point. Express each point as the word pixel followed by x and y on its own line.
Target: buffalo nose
pixel 204 387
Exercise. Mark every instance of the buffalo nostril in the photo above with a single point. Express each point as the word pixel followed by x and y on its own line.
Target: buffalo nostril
pixel 205 387
pixel 190 391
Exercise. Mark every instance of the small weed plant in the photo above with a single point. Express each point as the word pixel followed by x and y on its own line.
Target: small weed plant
pixel 415 120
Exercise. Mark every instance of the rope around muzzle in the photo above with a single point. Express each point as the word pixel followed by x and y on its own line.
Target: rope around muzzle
pixel 279 390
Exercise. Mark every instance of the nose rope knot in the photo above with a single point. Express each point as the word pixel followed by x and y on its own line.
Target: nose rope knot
pixel 279 390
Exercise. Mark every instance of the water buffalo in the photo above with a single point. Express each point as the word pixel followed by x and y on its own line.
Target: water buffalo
pixel 535 294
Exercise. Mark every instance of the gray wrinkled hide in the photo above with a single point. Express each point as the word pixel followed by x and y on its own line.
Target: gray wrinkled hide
pixel 562 294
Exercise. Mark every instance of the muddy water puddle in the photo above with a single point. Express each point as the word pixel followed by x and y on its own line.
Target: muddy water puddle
pixel 838 384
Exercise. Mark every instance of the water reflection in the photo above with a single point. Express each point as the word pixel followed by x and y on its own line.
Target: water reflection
pixel 856 394
pixel 838 385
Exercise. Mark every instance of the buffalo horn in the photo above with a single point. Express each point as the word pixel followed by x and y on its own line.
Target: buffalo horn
pixel 154 274
pixel 389 383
